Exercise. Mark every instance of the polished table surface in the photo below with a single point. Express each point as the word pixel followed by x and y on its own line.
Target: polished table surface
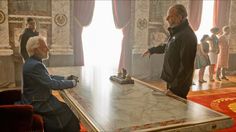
pixel 103 105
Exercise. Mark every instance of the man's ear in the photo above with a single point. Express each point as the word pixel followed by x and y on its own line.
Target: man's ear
pixel 36 51
pixel 181 18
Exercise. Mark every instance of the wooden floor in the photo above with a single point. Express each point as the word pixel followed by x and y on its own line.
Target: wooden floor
pixel 204 88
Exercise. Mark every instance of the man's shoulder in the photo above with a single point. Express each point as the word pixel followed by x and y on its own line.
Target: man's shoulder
pixel 25 33
pixel 188 30
pixel 31 64
pixel 188 33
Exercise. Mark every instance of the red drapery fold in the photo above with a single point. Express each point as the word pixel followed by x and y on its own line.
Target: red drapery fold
pixel 83 13
pixel 195 13
pixel 221 13
pixel 121 15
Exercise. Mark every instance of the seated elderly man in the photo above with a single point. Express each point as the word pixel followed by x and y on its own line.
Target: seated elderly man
pixel 38 86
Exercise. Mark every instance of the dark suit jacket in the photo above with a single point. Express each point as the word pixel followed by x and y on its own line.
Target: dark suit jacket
pixel 37 91
pixel 180 52
pixel 23 41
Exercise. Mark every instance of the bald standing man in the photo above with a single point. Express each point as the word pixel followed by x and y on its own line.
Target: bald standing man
pixel 179 50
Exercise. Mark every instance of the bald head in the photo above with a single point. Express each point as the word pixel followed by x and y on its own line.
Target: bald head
pixel 180 10
pixel 176 14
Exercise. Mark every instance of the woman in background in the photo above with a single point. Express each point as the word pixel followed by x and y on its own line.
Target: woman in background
pixel 223 56
pixel 202 58
pixel 213 52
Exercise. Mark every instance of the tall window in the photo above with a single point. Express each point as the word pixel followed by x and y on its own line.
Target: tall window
pixel 207 19
pixel 101 40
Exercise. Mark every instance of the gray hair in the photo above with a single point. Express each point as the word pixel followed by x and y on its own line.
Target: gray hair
pixel 32 44
pixel 180 9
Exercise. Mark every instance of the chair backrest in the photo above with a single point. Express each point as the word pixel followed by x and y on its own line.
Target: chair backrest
pixel 17 117
pixel 10 96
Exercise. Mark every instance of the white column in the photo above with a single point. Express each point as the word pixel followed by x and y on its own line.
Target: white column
pixel 232 23
pixel 4 31
pixel 61 43
pixel 141 26
pixel 140 43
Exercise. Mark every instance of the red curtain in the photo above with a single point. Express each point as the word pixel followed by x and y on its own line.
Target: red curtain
pixel 221 13
pixel 195 13
pixel 83 13
pixel 121 15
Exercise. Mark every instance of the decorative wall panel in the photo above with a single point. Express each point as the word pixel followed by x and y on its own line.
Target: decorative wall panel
pixel 53 22
pixel 17 25
pixel 30 7
pixel 61 44
pixel 4 35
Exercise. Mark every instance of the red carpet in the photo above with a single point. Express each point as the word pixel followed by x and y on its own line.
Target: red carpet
pixel 224 103
pixel 82 128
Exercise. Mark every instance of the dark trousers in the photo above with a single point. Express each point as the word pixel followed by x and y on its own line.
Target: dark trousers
pixel 61 120
pixel 179 91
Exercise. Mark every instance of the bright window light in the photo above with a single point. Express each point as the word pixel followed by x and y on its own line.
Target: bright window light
pixel 207 19
pixel 101 39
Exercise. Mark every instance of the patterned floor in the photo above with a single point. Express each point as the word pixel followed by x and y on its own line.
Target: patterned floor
pixel 205 88
pixel 222 100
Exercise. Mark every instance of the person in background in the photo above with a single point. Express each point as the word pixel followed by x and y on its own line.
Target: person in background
pixel 38 86
pixel 28 32
pixel 213 52
pixel 223 56
pixel 202 59
pixel 180 51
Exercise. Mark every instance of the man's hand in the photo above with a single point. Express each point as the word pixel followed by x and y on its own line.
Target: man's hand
pixel 73 77
pixel 146 53
pixel 170 93
pixel 74 83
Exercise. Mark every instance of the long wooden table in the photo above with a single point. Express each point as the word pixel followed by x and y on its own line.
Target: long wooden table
pixel 103 105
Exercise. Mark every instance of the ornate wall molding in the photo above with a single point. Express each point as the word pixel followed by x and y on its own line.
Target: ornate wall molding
pixel 142 23
pixel 45 20
pixel 15 19
pixel 16 27
pixel 21 19
pixel 60 19
pixel 2 17
pixel 30 7
pixel 5 49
